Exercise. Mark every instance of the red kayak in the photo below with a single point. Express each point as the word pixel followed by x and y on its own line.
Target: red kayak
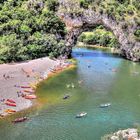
pixel 30 97
pixel 11 101
pixel 10 104
pixel 25 86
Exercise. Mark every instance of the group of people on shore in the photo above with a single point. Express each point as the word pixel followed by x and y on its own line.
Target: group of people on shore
pixel 5 76
pixel 26 91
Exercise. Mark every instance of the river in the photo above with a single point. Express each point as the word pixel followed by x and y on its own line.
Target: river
pixel 100 77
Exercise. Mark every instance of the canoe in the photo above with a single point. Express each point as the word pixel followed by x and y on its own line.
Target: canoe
pixel 10 104
pixel 29 91
pixel 30 97
pixel 22 119
pixel 25 86
pixel 10 111
pixel 105 105
pixel 82 114
pixel 11 101
pixel 58 69
pixel 53 71
pixel 66 97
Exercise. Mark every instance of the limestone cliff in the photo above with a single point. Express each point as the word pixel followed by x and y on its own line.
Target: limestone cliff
pixel 78 19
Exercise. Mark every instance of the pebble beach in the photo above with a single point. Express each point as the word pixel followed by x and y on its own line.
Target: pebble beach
pixel 15 76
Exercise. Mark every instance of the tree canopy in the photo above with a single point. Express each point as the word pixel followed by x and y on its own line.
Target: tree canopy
pixel 30 29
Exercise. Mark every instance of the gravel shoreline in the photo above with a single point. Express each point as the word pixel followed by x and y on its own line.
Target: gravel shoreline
pixel 23 74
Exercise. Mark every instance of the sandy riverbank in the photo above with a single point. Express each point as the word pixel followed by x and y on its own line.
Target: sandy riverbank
pixel 23 74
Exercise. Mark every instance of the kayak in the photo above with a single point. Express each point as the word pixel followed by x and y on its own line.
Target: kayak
pixel 11 101
pixel 25 86
pixel 53 71
pixel 82 114
pixel 30 97
pixel 22 119
pixel 10 104
pixel 29 91
pixel 66 97
pixel 105 105
pixel 10 111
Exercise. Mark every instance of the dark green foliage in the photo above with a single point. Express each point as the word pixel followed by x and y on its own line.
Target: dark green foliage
pixel 84 4
pixel 137 33
pixel 122 1
pixel 52 5
pixel 119 10
pixel 30 29
pixel 122 12
pixel 8 51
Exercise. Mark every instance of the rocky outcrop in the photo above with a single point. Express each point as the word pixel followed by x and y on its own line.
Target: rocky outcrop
pixel 128 134
pixel 87 18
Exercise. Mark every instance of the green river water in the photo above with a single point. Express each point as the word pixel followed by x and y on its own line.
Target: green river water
pixel 55 118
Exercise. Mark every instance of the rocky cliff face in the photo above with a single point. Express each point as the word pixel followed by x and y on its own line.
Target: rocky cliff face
pixel 78 20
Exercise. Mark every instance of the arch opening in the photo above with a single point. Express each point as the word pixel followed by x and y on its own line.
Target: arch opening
pixel 87 19
pixel 98 36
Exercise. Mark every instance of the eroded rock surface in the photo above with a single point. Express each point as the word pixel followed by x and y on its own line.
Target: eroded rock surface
pixel 85 19
pixel 128 134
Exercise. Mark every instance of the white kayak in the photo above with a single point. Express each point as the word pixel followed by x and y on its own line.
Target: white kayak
pixel 105 105
pixel 82 114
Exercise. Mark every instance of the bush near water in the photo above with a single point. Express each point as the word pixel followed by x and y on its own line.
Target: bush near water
pixel 99 36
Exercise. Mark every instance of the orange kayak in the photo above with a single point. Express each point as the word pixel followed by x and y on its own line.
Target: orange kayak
pixel 30 97
pixel 10 104
pixel 10 111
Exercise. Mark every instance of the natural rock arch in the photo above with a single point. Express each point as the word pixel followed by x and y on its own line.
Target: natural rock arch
pixel 130 49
